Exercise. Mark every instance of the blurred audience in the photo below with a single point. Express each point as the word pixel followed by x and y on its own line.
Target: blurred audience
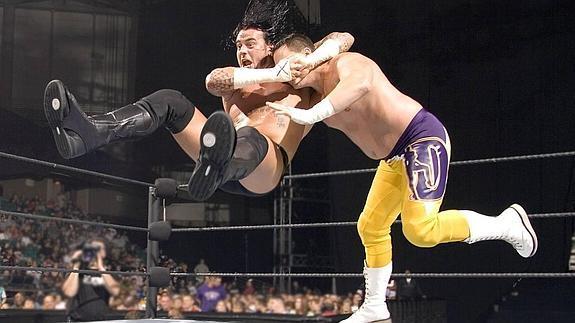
pixel 25 242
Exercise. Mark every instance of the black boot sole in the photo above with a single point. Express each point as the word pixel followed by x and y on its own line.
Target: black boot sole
pixel 217 140
pixel 55 103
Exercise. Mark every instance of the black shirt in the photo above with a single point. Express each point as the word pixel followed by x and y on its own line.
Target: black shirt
pixel 91 301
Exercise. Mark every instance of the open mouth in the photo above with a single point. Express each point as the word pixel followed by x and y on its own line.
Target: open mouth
pixel 247 63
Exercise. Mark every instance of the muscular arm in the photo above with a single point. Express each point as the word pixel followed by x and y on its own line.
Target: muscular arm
pixel 345 40
pixel 224 81
pixel 329 47
pixel 220 82
pixel 355 80
pixel 355 74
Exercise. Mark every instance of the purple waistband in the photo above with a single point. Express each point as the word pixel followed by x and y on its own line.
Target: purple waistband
pixel 423 124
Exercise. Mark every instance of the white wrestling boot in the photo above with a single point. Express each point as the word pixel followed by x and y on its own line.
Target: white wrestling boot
pixel 512 226
pixel 374 308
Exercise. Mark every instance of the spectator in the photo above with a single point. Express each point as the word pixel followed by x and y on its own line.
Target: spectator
pixel 356 300
pixel 49 302
pixel 408 288
pixel 19 300
pixel 276 305
pixel 238 307
pixel 60 303
pixel 210 292
pixel 249 287
pixel 300 306
pixel 391 292
pixel 2 296
pixel 201 267
pixel 89 294
pixel 175 314
pixel 314 307
pixel 166 302
pixel 29 304
pixel 177 303
pixel 328 309
pixel 221 307
pixel 345 307
pixel 189 304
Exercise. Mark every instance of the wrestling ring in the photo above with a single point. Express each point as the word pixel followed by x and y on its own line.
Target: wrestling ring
pixel 160 230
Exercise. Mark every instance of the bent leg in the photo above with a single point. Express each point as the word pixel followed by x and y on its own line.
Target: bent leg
pixel 425 227
pixel 426 165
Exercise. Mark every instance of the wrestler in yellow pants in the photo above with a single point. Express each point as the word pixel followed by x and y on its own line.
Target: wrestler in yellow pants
pixel 412 184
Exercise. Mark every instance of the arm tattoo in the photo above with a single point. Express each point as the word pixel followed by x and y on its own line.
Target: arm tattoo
pixel 345 40
pixel 221 80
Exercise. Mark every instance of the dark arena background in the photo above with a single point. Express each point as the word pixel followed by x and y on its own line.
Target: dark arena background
pixel 499 74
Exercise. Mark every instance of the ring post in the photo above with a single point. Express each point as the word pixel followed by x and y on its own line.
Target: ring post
pixel 155 209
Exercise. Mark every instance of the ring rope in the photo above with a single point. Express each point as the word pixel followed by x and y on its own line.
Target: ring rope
pixel 395 275
pixel 75 221
pixel 79 271
pixel 455 163
pixel 74 169
pixel 330 224
pixel 311 275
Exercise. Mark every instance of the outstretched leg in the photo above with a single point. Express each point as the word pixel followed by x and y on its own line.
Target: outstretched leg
pixel 76 133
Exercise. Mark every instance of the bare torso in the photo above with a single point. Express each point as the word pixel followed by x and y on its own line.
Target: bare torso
pixel 247 107
pixel 375 121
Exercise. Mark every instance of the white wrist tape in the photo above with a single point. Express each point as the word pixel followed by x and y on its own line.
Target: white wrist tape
pixel 249 76
pixel 324 109
pixel 328 50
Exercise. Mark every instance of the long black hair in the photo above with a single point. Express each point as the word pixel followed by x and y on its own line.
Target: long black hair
pixel 276 18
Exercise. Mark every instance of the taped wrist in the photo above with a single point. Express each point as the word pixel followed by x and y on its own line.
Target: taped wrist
pixel 249 76
pixel 324 109
pixel 328 50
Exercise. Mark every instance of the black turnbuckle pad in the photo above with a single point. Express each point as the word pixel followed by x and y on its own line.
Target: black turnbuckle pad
pixel 159 277
pixel 166 188
pixel 160 231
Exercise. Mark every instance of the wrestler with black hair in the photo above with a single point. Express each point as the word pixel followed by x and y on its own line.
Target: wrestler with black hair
pixel 243 150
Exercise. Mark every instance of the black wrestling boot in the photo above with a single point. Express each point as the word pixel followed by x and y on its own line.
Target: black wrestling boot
pixel 76 133
pixel 225 155
pixel 217 144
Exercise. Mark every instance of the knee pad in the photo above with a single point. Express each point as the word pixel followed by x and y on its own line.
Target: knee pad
pixel 251 149
pixel 169 108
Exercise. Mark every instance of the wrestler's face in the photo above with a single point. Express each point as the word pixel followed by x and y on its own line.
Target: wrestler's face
pixel 252 50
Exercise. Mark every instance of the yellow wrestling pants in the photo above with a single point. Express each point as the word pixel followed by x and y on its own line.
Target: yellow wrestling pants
pixel 412 183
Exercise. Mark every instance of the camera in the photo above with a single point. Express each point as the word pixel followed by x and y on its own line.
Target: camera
pixel 89 252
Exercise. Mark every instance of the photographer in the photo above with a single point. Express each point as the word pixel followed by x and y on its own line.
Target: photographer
pixel 89 294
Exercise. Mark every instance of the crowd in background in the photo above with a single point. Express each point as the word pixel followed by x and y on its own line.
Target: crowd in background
pixel 35 243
